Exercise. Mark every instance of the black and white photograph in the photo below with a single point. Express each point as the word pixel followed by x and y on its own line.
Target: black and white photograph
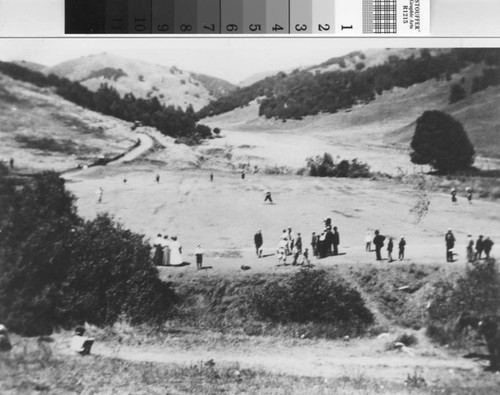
pixel 252 216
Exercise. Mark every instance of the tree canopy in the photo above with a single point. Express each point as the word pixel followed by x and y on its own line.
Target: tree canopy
pixel 441 141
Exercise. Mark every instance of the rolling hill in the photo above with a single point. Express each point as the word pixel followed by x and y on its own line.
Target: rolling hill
pixel 170 85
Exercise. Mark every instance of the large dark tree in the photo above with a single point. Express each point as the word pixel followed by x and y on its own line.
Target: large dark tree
pixel 441 141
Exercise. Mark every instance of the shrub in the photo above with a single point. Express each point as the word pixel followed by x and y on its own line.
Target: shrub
pixel 58 270
pixel 310 296
pixel 324 166
pixel 475 293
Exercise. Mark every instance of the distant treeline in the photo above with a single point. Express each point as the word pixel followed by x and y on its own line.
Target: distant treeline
pixel 302 93
pixel 169 120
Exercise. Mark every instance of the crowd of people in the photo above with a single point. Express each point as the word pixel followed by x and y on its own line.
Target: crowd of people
pixel 168 251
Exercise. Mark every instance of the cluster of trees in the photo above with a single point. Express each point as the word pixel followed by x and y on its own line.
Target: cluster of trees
pixel 169 120
pixel 324 166
pixel 59 270
pixel 302 93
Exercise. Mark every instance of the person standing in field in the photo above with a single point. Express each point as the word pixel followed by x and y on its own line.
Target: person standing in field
pixel 305 257
pixel 157 178
pixel 487 245
pixel 479 247
pixel 211 177
pixel 336 241
pixel 402 244
pixel 390 247
pixel 470 248
pixel 469 195
pixel 450 244
pixel 158 256
pixel 99 192
pixel 378 241
pixel 175 252
pixel 453 195
pixel 165 244
pixel 259 241
pixel 198 252
pixel 368 242
pixel 314 244
pixel 268 198
pixel 291 240
pixel 298 242
pixel 282 253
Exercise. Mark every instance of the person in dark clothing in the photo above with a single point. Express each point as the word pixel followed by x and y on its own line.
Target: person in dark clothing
pixel 453 195
pixel 314 244
pixel 211 177
pixel 378 242
pixel 402 244
pixel 298 242
pixel 258 240
pixel 469 195
pixel 11 163
pixel 157 178
pixel 479 246
pixel 487 245
pixel 268 198
pixel 329 242
pixel 336 241
pixel 243 174
pixel 158 256
pixel 328 222
pixel 450 244
pixel 390 247
pixel 322 246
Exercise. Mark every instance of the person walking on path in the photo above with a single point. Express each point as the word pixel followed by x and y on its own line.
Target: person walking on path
pixel 402 244
pixel 479 247
pixel 158 256
pixel 378 241
pixel 336 241
pixel 259 241
pixel 450 244
pixel 198 252
pixel 487 245
pixel 268 198
pixel 390 247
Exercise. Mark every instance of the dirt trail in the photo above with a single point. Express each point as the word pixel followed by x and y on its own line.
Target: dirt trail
pixel 328 359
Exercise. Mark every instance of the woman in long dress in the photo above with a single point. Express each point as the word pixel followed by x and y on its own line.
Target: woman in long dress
pixel 166 251
pixel 175 252
pixel 158 245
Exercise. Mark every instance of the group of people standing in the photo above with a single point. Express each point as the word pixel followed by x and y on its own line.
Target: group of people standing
pixel 468 192
pixel 291 244
pixel 168 251
pixel 475 250
pixel 327 242
pixel 378 241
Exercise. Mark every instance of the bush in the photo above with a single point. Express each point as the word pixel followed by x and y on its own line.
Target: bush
pixel 310 296
pixel 476 293
pixel 58 270
pixel 324 166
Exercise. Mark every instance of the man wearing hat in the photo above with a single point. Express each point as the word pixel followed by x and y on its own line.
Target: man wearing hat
pixel 198 252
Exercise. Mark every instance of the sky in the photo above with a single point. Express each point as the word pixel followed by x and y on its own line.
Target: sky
pixel 231 59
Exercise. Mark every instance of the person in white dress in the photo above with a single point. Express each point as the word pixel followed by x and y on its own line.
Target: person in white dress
pixel 175 252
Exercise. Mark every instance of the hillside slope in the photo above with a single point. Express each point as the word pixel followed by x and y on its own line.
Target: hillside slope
pixel 170 85
pixel 42 131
